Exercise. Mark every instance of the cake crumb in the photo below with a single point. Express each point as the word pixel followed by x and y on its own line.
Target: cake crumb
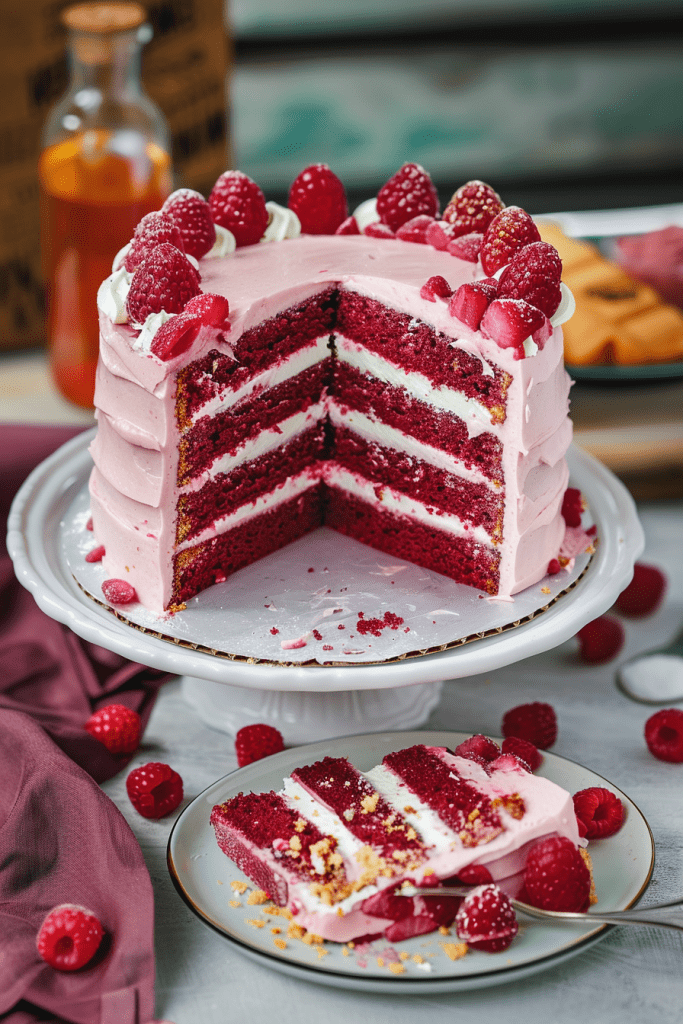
pixel 280 943
pixel 295 931
pixel 545 590
pixel 454 950
pixel 218 881
pixel 235 903
pixel 444 931
pixel 275 931
pixel 238 887
pixel 397 968
pixel 592 897
pixel 257 897
pixel 346 951
pixel 404 955
pixel 299 826
pixel 255 923
pixel 418 958
pixel 380 961
pixel 351 944
pixel 369 803
pixel 321 951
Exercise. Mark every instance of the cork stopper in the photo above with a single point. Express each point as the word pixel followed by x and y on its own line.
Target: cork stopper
pixel 103 18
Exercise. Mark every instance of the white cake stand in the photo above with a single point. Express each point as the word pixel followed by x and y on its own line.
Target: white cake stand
pixel 311 703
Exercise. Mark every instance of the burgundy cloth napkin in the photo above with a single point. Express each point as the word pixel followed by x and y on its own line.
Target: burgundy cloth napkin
pixel 61 839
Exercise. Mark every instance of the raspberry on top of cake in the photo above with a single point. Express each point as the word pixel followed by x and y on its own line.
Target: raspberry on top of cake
pixel 396 374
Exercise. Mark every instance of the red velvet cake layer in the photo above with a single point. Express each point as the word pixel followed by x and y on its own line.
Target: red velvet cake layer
pixel 473 503
pixel 463 560
pixel 215 559
pixel 396 408
pixel 223 434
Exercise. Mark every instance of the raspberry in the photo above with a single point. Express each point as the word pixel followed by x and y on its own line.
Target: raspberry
pixel 524 750
pixel 553 567
pixel 479 745
pixel 153 229
pixel 486 919
pixel 508 763
pixel 534 275
pixel 439 234
pixel 348 227
pixel 472 207
pixel 471 300
pixel 119 592
pixel 154 789
pixel 117 727
pixel 212 309
pixel 192 214
pixel 510 230
pixel 645 591
pixel 407 194
pixel 572 506
pixel 378 230
pixel 467 247
pixel 69 937
pixel 509 322
pixel 96 555
pixel 175 336
pixel 600 810
pixel 89 525
pixel 535 722
pixel 238 204
pixel 252 742
pixel 474 874
pixel 600 640
pixel 318 199
pixel 556 876
pixel 415 229
pixel 664 735
pixel 436 287
pixel 164 280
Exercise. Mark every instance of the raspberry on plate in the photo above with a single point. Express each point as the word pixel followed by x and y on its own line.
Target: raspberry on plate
pixel 535 722
pixel 318 199
pixel 509 322
pixel 486 919
pixel 192 214
pixel 154 789
pixel 644 593
pixel 534 274
pixel 117 727
pixel 153 229
pixel 96 554
pixel 252 742
pixel 119 591
pixel 664 735
pixel 509 231
pixel 472 207
pixel 69 937
pixel 480 746
pixel 556 876
pixel 523 749
pixel 572 506
pixel 238 204
pixel 469 303
pixel 436 287
pixel 473 874
pixel 164 280
pixel 600 810
pixel 600 640
pixel 407 194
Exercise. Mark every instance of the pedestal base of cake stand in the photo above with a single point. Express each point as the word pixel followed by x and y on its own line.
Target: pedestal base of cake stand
pixel 307 717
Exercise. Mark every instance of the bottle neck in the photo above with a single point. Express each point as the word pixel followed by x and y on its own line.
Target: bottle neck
pixel 107 65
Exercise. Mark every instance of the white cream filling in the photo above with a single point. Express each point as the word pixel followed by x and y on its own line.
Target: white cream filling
pixel 433 832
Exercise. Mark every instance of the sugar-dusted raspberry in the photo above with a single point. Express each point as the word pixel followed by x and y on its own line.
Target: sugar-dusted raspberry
pixel 211 309
pixel 553 567
pixel 192 214
pixel 508 763
pixel 96 555
pixel 318 199
pixel 600 640
pixel 556 876
pixel 600 810
pixel 664 735
pixel 348 227
pixel 471 300
pixel 117 727
pixel 238 204
pixel 486 919
pixel 176 336
pixel 473 206
pixel 164 280
pixel 415 229
pixel 535 722
pixel 509 231
pixel 407 194
pixel 474 874
pixel 436 287
pixel 153 229
pixel 154 789
pixel 509 322
pixel 252 742
pixel 378 230
pixel 439 234
pixel 69 937
pixel 572 506
pixel 644 593
pixel 524 749
pixel 119 591
pixel 534 274
pixel 467 247
pixel 479 745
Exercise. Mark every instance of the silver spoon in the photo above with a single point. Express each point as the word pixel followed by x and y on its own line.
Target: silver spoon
pixel 664 915
pixel 654 677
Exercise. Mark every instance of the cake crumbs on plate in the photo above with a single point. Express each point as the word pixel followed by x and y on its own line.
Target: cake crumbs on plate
pixel 545 590
pixel 417 958
pixel 257 897
pixel 346 951
pixel 280 943
pixel 321 951
pixel 404 955
pixel 443 930
pixel 275 931
pixel 238 887
pixel 380 961
pixel 235 903
pixel 255 922
pixel 454 950
pixel 397 968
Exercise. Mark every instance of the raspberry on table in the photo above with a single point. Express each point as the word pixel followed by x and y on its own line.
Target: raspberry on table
pixel 556 876
pixel 471 300
pixel 119 591
pixel 238 204
pixel 600 810
pixel 509 231
pixel 600 640
pixel 524 749
pixel 415 229
pixel 486 919
pixel 535 722
pixel 192 214
pixel 252 742
pixel 164 280
pixel 407 194
pixel 480 746
pixel 664 735
pixel 436 287
pixel 534 275
pixel 472 207
pixel 348 227
pixel 69 937
pixel 318 199
pixel 154 789
pixel 509 322
pixel 117 727
pixel 644 593
pixel 153 229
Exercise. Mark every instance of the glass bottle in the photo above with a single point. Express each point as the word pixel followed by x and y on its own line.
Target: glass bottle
pixel 104 164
